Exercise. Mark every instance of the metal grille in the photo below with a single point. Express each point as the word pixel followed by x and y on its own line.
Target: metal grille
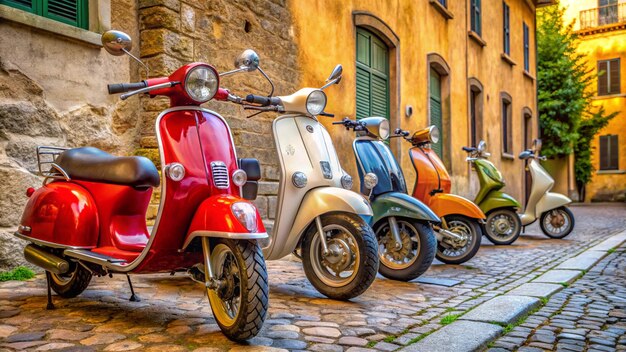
pixel 219 171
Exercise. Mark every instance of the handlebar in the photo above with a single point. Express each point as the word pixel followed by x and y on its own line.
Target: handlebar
pixel 115 88
pixel 261 100
pixel 469 149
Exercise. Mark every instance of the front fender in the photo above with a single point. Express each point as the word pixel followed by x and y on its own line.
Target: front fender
pixel 497 199
pixel 447 204
pixel 550 201
pixel 320 201
pixel 401 205
pixel 214 218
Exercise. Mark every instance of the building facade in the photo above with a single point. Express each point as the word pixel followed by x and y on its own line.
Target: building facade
pixel 601 26
pixel 466 66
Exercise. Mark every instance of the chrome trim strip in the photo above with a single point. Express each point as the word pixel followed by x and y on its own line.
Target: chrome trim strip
pixel 229 235
pixel 146 250
pixel 46 243
pixel 88 258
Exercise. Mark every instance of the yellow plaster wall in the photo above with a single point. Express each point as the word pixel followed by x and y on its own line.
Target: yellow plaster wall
pixel 325 33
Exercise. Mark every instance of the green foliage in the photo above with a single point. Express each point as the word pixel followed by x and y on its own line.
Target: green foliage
pixel 449 319
pixel 565 86
pixel 20 273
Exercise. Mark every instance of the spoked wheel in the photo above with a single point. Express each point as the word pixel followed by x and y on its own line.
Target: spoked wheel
pixel 239 294
pixel 72 283
pixel 464 249
pixel 503 226
pixel 413 258
pixel 557 223
pixel 350 265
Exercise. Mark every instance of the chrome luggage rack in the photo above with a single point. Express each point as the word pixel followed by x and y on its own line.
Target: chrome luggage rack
pixel 46 161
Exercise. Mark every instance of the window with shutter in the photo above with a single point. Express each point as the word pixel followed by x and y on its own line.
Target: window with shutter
pixel 436 114
pixel 609 154
pixel 475 13
pixel 72 12
pixel 506 30
pixel 507 130
pixel 609 77
pixel 526 48
pixel 372 75
pixel 607 12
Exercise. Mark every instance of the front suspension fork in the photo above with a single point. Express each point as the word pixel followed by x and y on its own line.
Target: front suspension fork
pixel 395 233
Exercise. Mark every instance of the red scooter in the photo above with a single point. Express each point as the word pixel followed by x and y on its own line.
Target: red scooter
pixel 88 218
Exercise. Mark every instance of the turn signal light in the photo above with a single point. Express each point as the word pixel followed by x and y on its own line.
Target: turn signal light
pixel 30 191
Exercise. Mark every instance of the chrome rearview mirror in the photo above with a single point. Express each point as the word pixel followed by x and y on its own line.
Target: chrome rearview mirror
pixel 116 43
pixel 247 61
pixel 335 77
pixel 537 146
pixel 482 145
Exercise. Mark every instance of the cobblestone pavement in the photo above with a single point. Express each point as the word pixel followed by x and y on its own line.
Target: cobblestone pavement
pixel 590 315
pixel 174 314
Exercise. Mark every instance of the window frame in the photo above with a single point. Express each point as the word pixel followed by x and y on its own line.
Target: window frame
pixel 506 28
pixel 476 17
pixel 506 124
pixel 607 75
pixel 526 31
pixel 607 165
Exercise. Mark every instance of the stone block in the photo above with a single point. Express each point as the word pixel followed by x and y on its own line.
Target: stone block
pixel 149 142
pixel 159 17
pixel 162 65
pixel 558 276
pixel 505 309
pixel 13 194
pixel 541 290
pixel 261 204
pixel 610 243
pixel 272 203
pixel 268 188
pixel 161 40
pixel 156 104
pixel 460 336
pixel 583 261
pixel 187 18
pixel 171 4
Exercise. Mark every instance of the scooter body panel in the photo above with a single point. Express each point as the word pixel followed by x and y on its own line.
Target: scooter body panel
pixel 401 205
pixel 444 204
pixel 374 156
pixel 490 180
pixel 431 173
pixel 304 145
pixel 61 215
pixel 497 200
pixel 541 199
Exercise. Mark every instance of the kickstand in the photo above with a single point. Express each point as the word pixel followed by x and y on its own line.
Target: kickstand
pixel 133 296
pixel 50 305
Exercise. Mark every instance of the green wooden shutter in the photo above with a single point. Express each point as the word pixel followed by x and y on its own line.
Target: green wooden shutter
pixel 372 76
pixel 613 73
pixel 72 12
pixel 603 78
pixel 436 115
pixel 526 48
pixel 609 153
pixel 613 153
pixel 26 5
pixel 506 30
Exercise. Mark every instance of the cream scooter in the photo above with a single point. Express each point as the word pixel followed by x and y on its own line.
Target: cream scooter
pixel 555 219
pixel 314 195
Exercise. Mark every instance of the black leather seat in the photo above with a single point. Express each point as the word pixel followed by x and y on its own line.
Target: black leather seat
pixel 93 164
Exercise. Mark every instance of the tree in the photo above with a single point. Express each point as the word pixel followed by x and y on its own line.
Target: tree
pixel 567 118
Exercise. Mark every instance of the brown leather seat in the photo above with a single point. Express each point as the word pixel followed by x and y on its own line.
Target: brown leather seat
pixel 93 164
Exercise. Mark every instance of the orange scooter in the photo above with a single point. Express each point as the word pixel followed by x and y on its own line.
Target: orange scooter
pixel 460 232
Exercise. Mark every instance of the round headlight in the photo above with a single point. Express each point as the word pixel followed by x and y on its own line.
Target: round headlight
pixel 245 214
pixel 201 83
pixel 482 145
pixel 175 171
pixel 370 180
pixel 316 102
pixel 240 177
pixel 383 129
pixel 434 134
pixel 299 179
pixel 346 181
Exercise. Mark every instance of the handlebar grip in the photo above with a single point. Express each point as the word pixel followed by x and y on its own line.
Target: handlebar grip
pixel 261 100
pixel 338 123
pixel 115 88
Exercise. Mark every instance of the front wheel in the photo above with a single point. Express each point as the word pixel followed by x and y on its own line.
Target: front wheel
pixel 464 249
pixel 413 257
pixel 349 267
pixel 240 293
pixel 503 226
pixel 557 223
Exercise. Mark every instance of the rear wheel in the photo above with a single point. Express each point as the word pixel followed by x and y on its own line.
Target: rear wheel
pixel 240 300
pixel 503 226
pixel 457 252
pixel 415 255
pixel 349 267
pixel 72 283
pixel 557 223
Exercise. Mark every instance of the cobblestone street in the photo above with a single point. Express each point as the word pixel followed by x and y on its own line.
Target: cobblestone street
pixel 174 314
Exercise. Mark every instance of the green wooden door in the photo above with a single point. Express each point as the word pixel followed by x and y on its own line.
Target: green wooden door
pixel 436 116
pixel 372 75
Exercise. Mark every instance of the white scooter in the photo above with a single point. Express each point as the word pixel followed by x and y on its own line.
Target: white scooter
pixel 555 219
pixel 314 195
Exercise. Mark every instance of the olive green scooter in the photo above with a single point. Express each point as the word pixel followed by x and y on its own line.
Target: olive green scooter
pixel 503 224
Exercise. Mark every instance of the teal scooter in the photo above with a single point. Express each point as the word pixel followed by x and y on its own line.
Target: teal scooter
pixel 403 225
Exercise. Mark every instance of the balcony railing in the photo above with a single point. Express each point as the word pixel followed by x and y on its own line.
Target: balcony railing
pixel 603 16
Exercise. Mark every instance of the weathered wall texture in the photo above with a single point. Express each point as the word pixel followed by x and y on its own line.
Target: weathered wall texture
pixel 53 92
pixel 422 31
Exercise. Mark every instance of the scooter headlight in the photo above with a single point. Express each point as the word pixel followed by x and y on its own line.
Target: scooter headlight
pixel 299 179
pixel 201 83
pixel 346 181
pixel 370 180
pixel 434 134
pixel 316 102
pixel 240 177
pixel 245 214
pixel 383 129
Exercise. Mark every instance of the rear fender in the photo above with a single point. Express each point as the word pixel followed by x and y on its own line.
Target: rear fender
pixel 551 201
pixel 62 215
pixel 214 218
pixel 496 200
pixel 401 205
pixel 444 204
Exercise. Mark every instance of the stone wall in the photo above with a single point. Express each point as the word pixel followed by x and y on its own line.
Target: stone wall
pixel 177 32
